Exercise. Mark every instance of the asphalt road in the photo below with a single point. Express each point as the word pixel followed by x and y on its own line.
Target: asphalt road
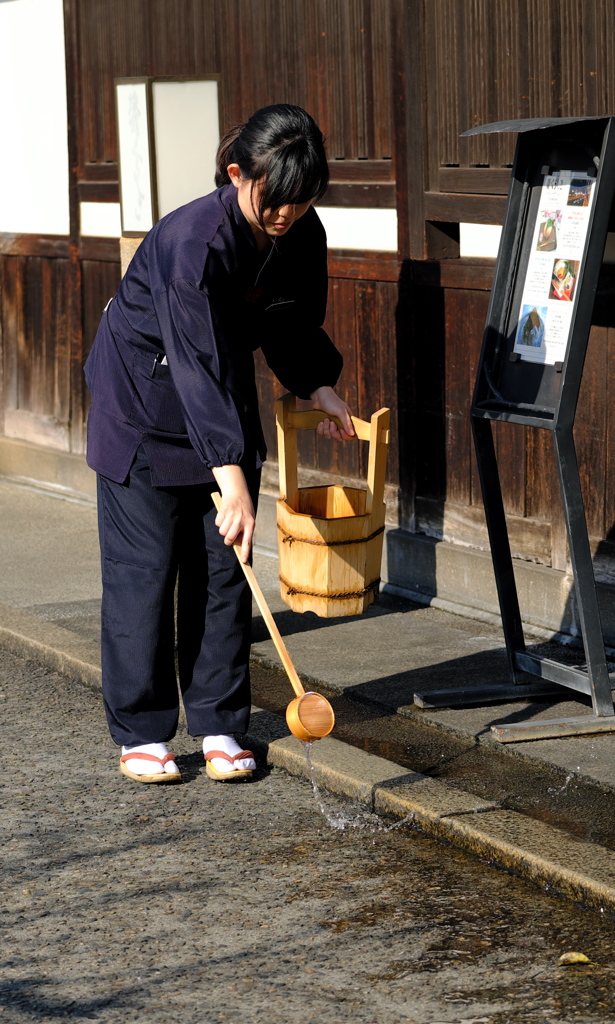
pixel 241 903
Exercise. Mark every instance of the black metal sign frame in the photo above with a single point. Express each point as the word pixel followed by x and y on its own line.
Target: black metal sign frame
pixel 530 373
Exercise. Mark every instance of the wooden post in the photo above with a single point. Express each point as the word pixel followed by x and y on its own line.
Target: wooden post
pixel 74 326
pixel 287 450
pixel 128 247
pixel 410 130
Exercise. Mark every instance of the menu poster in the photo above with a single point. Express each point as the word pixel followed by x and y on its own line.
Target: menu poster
pixel 558 245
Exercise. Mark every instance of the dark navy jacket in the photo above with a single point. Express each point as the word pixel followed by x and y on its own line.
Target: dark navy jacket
pixel 197 291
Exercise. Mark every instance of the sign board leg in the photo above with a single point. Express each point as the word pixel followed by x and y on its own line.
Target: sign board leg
pixel 583 570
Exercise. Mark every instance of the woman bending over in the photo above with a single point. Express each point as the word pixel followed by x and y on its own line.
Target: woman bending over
pixel 175 416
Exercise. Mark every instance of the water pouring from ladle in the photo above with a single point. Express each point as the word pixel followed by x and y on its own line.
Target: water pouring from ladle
pixel 309 716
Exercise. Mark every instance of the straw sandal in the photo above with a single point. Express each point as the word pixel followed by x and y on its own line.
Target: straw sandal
pixel 157 776
pixel 234 776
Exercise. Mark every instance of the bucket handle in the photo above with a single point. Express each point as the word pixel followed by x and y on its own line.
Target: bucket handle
pixel 289 421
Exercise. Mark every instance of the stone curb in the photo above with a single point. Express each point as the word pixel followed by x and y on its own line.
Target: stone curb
pixel 537 851
pixel 52 646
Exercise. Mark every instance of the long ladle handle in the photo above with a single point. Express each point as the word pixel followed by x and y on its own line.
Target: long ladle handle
pixel 259 597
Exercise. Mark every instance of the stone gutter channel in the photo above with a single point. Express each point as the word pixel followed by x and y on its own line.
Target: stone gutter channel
pixel 547 855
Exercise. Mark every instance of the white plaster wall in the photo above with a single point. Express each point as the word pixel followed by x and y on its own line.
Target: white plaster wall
pixel 33 120
pixel 357 228
pixel 479 240
pixel 103 220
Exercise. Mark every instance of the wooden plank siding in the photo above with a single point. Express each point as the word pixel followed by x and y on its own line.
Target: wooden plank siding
pixel 35 348
pixel 480 61
pixel 460 63
pixel 39 398
pixel 445 339
pixel 332 57
pixel 392 83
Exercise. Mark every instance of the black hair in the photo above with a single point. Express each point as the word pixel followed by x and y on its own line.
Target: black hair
pixel 283 149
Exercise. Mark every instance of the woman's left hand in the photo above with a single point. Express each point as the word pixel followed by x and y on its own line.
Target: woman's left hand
pixel 327 401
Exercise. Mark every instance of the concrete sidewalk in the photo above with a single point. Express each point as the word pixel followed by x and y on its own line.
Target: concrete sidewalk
pixel 49 612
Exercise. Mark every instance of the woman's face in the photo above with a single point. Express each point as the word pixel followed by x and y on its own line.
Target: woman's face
pixel 276 222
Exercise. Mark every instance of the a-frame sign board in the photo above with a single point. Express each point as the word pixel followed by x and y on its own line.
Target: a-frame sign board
pixel 546 276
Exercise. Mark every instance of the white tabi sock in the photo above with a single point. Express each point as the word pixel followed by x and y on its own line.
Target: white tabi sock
pixel 141 767
pixel 231 747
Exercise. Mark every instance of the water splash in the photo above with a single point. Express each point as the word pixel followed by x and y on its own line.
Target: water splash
pixel 558 790
pixel 352 816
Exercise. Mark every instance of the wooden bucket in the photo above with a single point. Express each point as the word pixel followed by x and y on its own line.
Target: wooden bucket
pixel 330 538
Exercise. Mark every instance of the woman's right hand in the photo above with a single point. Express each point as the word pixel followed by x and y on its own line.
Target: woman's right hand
pixel 235 519
pixel 326 400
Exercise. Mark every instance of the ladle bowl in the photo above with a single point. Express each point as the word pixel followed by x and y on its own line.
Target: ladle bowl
pixel 310 717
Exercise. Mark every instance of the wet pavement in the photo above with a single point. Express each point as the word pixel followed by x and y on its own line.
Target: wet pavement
pixel 566 799
pixel 223 903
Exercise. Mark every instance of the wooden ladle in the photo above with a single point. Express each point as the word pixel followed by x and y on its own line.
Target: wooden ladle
pixel 309 716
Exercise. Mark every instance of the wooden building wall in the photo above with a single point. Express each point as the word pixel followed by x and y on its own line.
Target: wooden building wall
pixel 393 83
pixel 332 57
pixel 473 62
pixel 449 306
pixel 460 63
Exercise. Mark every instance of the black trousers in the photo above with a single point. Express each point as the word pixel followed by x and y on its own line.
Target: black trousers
pixel 151 537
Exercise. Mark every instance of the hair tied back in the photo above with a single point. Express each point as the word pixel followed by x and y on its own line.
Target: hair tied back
pixel 282 148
